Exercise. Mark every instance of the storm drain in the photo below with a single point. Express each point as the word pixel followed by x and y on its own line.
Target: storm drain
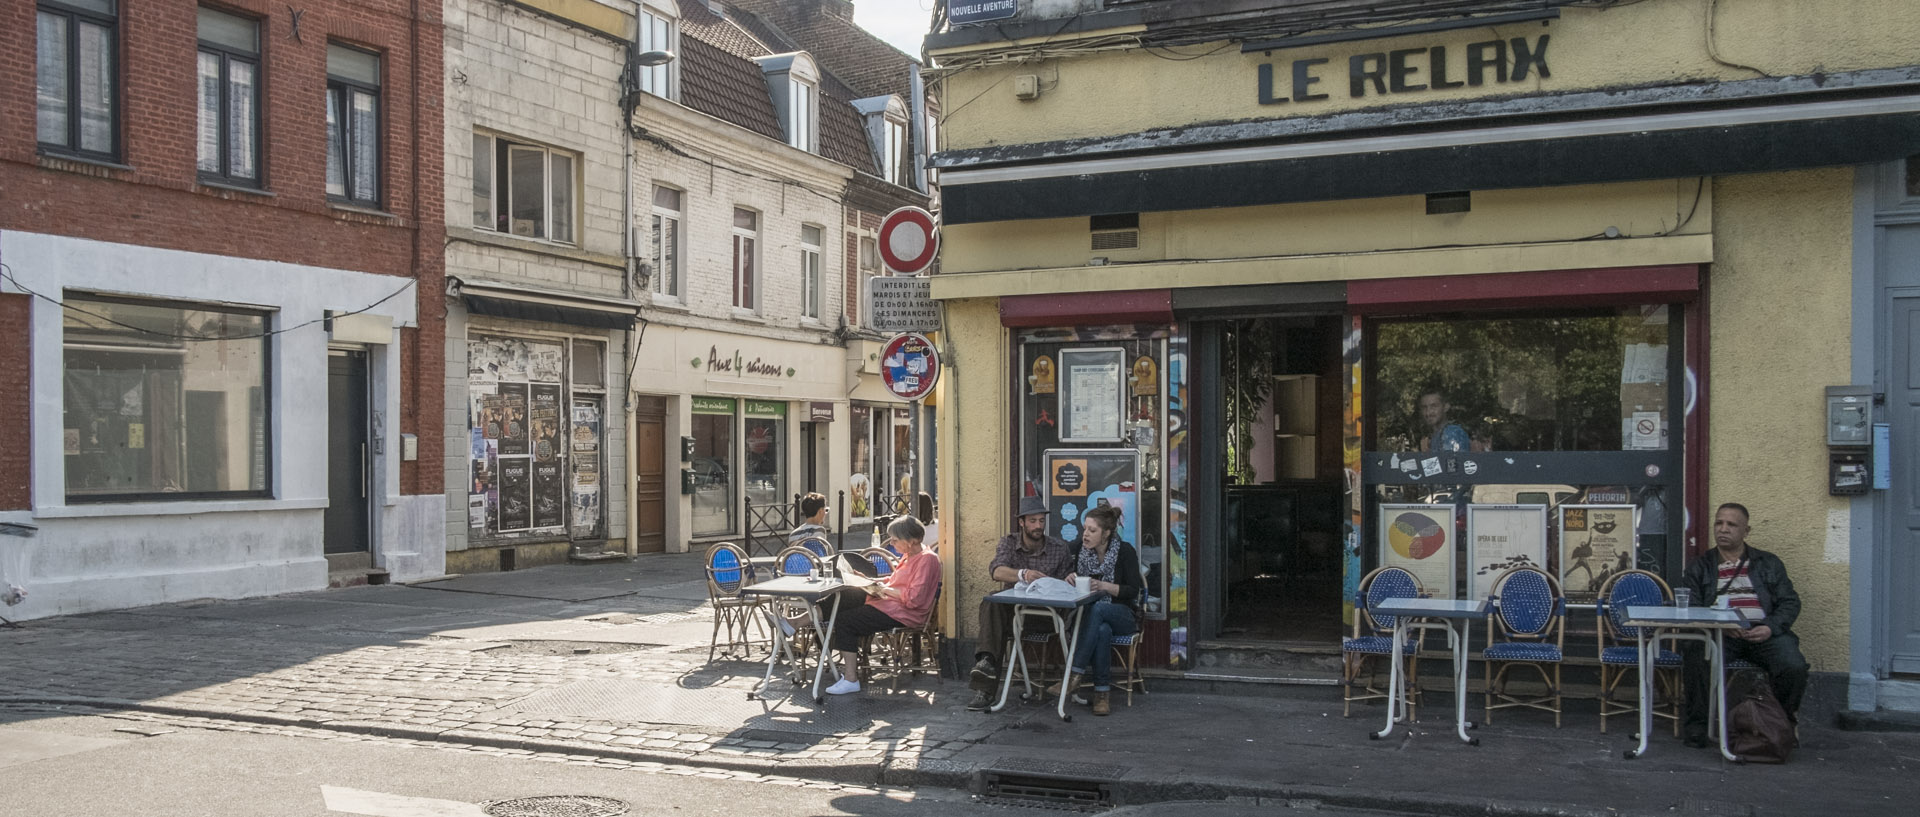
pixel 1057 785
pixel 558 805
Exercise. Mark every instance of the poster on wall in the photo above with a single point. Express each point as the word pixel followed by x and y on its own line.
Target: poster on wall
pixel 492 360
pixel 516 494
pixel 1420 538
pixel 1500 538
pixel 512 420
pixel 586 427
pixel 477 511
pixel 549 495
pixel 543 423
pixel 1596 541
pixel 545 362
pixel 1090 394
pixel 1081 479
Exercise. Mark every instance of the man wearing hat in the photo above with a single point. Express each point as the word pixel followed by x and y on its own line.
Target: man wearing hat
pixel 1024 555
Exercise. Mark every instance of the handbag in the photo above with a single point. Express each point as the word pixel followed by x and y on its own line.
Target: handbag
pixel 1758 728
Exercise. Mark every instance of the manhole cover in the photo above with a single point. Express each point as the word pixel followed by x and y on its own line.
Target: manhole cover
pixel 558 805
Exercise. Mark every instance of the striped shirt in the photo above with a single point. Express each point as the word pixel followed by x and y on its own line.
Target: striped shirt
pixel 1735 583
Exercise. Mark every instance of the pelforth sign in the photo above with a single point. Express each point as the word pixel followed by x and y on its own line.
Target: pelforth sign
pixel 901 304
pixel 962 12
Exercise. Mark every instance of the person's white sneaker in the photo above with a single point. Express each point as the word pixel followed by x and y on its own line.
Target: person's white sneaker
pixel 845 686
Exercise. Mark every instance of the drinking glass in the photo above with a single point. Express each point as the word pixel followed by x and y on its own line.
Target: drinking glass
pixel 1682 598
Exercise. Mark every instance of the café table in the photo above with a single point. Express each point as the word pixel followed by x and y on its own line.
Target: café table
pixel 1458 616
pixel 1706 625
pixel 812 591
pixel 1056 608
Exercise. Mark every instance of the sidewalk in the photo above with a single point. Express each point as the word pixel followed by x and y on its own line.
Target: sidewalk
pixel 611 661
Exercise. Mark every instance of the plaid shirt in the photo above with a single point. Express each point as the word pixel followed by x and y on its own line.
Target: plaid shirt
pixel 1054 559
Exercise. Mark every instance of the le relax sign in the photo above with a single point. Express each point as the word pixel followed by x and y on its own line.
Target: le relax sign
pixel 1405 71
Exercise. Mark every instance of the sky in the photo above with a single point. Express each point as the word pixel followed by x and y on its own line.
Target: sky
pixel 900 22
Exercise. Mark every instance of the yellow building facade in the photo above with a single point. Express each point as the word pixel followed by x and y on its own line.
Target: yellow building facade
pixel 1450 293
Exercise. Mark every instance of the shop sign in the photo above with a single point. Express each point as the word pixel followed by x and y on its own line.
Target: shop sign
pixel 901 304
pixel 909 366
pixel 962 12
pixel 713 405
pixel 1406 71
pixel 819 412
pixel 766 408
pixel 739 364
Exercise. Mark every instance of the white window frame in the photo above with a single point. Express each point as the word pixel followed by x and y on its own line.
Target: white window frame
pixel 746 278
pixel 893 149
pixel 668 279
pixel 813 282
pixel 659 31
pixel 500 184
pixel 802 114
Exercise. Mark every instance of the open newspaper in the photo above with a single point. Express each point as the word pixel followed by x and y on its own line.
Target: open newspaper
pixel 856 571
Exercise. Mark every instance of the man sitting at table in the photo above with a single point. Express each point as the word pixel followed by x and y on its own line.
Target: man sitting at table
pixel 903 599
pixel 1025 555
pixel 1755 583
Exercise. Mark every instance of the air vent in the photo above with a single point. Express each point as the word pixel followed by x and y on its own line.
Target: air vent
pixel 1115 231
pixel 1456 202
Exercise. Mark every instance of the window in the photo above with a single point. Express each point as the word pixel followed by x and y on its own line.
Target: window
pixel 746 226
pixel 890 154
pixel 668 208
pixel 800 118
pixel 811 284
pixel 713 465
pixel 229 137
pixel 765 440
pixel 163 401
pixel 353 125
pixel 522 189
pixel 76 77
pixel 657 34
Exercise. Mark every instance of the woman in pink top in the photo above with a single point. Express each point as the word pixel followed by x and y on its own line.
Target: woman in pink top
pixel 903 599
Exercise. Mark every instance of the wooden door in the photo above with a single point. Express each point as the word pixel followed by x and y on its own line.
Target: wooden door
pixel 650 474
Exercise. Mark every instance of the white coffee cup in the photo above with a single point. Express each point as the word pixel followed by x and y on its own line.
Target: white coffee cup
pixel 1084 584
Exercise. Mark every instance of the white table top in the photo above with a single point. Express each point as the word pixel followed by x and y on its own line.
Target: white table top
pixel 1702 617
pixel 1433 608
pixel 795 586
pixel 1014 597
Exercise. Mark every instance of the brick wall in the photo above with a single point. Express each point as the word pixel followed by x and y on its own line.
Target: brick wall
pixel 16 452
pixel 151 196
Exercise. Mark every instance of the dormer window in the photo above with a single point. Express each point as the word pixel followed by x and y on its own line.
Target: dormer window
pixel 886 118
pixel 659 31
pixel 793 80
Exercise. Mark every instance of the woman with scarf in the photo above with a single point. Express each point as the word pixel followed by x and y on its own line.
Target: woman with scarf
pixel 1114 567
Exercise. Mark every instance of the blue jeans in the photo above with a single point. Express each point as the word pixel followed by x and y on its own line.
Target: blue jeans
pixel 1104 620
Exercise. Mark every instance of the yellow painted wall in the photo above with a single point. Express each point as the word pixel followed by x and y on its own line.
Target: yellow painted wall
pixel 974 470
pixel 1781 297
pixel 1654 42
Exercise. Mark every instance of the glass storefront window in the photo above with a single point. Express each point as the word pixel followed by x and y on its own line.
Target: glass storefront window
pixel 860 488
pixel 766 451
pixel 1587 381
pixel 713 483
pixel 163 401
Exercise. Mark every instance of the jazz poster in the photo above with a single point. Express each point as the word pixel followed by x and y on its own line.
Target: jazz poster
pixel 1420 539
pixel 1500 538
pixel 1596 541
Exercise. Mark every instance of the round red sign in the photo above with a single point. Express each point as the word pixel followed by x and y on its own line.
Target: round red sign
pixel 909 366
pixel 908 240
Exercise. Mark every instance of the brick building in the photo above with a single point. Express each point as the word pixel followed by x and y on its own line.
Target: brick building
pixel 221 311
pixel 765 157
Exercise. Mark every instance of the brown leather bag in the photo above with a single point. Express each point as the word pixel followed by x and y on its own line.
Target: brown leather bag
pixel 1758 728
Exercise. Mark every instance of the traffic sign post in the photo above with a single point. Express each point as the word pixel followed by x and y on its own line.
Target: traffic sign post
pixel 910 366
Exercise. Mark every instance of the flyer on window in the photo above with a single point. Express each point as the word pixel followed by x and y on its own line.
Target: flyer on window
pixel 1596 541
pixel 1501 538
pixel 1420 539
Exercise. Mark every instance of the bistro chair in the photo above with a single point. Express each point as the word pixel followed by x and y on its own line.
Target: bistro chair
pixel 882 560
pixel 1620 652
pixel 1126 653
pixel 795 560
pixel 1528 628
pixel 727 571
pixel 1373 639
pixel 904 651
pixel 819 547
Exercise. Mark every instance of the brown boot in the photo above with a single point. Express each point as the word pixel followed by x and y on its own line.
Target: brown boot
pixel 1073 683
pixel 1101 703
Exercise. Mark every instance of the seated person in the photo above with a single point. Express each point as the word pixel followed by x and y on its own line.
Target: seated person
pixel 1114 567
pixel 1024 556
pixel 923 511
pixel 813 525
pixel 903 599
pixel 1755 583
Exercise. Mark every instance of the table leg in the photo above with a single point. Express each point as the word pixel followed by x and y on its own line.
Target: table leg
pixel 1393 680
pixel 1060 626
pixel 1461 651
pixel 1719 692
pixel 1641 682
pixel 779 646
pixel 1014 655
pixel 826 641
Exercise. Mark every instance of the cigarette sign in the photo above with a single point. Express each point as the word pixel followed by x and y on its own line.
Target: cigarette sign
pixel 901 304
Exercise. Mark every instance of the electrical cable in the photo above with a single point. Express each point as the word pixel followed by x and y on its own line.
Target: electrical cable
pixel 6 272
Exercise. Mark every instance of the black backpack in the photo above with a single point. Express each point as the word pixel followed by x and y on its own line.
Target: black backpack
pixel 1758 728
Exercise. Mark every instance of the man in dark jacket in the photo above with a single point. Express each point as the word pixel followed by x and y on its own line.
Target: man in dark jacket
pixel 1755 583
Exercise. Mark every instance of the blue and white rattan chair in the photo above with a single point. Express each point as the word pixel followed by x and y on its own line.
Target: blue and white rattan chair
pixel 1373 639
pixel 1620 651
pixel 1527 629
pixel 727 571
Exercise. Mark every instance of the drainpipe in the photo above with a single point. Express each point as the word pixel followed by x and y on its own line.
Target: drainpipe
pixel 917 108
